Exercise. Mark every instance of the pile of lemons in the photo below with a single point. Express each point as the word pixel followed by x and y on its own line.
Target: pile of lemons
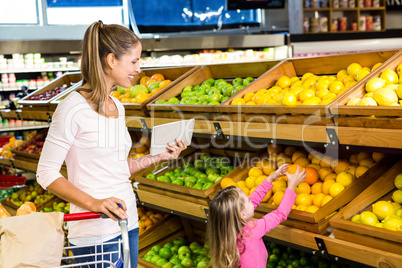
pixel 326 176
pixel 310 89
pixel 385 214
pixel 385 90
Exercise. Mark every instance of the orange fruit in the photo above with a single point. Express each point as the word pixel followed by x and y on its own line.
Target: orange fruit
pixel 268 167
pixel 26 208
pixel 377 156
pixel 225 182
pixel 316 188
pixel 293 168
pixel 315 166
pixel 302 161
pixel 326 162
pixel 141 97
pixel 144 80
pixel 311 175
pixel 277 184
pixel 115 94
pixel 148 222
pixel 335 189
pixel 368 162
pixel 318 199
pixel 298 154
pixel 259 180
pixel 238 101
pixel 164 83
pixel 274 148
pixel 241 184
pixel 341 166
pixel 255 172
pixel 362 155
pixel 267 196
pixel 303 199
pixel 277 198
pixel 289 150
pixel 324 172
pixel 158 77
pixel 246 190
pixel 303 187
pixel 326 186
pixel 330 176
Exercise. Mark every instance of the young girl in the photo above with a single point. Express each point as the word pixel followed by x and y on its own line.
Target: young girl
pixel 235 240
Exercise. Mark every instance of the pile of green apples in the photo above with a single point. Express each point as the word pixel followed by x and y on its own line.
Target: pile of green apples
pixel 30 193
pixel 209 92
pixel 177 254
pixel 200 174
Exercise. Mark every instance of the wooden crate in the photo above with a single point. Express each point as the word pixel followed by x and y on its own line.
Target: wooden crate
pixel 359 233
pixel 323 65
pixel 189 229
pixel 318 222
pixel 175 74
pixel 55 101
pixel 218 71
pixel 368 116
pixel 182 192
pixel 70 80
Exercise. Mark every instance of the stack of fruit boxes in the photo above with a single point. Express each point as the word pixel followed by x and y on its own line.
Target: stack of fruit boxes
pixel 369 116
pixel 300 114
pixel 227 72
pixel 375 237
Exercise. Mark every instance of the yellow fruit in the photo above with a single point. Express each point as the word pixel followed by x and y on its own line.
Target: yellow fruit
pixel 315 160
pixel 353 159
pixel 389 76
pixel 376 66
pixel 311 209
pixel 377 156
pixel 259 180
pixel 335 189
pixel 255 172
pixel 315 166
pixel 336 86
pixel 326 162
pixel 367 101
pixel 396 206
pixel 303 199
pixel 298 154
pixel 250 103
pixel 344 178
pixel 394 223
pixel 379 225
pixel 322 85
pixel 398 212
pixel 238 101
pixel 306 94
pixel 323 172
pixel 289 99
pixel 341 166
pixel 356 218
pixel 370 94
pixel 326 186
pixel 399 68
pixel 267 196
pixel 385 96
pixel 289 150
pixel 341 73
pixel 368 162
pixel 325 200
pixel 397 196
pixel 248 97
pixel 353 68
pixel 308 83
pixel 245 190
pixel 316 188
pixel 301 207
pixel 306 75
pixel 362 155
pixel 398 181
pixel 284 81
pixel 303 188
pixel 250 182
pixel 277 198
pixel 330 176
pixel 318 199
pixel 302 161
pixel 361 74
pixel 251 190
pixel 354 101
pixel 383 209
pixel 351 170
pixel 278 184
pixel 241 184
pixel 360 170
pixel 369 218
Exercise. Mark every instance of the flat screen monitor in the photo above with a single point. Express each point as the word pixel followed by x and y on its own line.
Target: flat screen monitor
pixel 254 4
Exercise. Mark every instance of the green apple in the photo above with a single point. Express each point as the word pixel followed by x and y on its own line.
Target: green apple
pixel 177 170
pixel 247 80
pixel 220 81
pixel 120 89
pixel 172 100
pixel 187 262
pixel 211 170
pixel 224 99
pixel 161 262
pixel 184 94
pixel 194 245
pixel 156 248
pixel 178 266
pixel 198 186
pixel 168 265
pixel 202 180
pixel 160 102
pixel 179 241
pixel 155 258
pixel 196 88
pixel 178 182
pixel 203 156
pixel 165 252
pixel 151 176
pixel 207 185
pixel 183 248
pixel 175 259
pixel 189 184
pixel 210 82
pixel 203 263
pixel 175 248
pixel 187 88
pixel 168 245
pixel 237 81
pixel 203 98
pixel 148 258
pixel 153 85
pixel 137 89
pixel 227 89
pixel 193 94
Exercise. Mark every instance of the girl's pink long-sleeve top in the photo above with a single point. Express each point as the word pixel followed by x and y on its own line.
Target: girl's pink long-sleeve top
pixel 256 255
pixel 95 149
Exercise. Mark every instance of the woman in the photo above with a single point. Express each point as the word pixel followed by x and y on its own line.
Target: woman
pixel 89 133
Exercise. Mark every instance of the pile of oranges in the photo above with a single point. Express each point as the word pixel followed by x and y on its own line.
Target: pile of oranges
pixel 140 148
pixel 310 89
pixel 152 84
pixel 326 177
pixel 148 218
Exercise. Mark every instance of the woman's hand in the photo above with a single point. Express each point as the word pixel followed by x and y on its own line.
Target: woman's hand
pixel 174 150
pixel 278 173
pixel 108 205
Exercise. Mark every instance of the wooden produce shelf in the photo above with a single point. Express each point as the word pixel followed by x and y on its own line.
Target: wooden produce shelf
pixel 33 166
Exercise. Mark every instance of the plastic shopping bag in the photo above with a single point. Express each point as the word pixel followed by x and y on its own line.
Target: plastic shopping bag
pixel 33 240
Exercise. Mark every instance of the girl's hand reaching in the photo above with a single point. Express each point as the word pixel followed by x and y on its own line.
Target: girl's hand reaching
pixel 278 173
pixel 296 178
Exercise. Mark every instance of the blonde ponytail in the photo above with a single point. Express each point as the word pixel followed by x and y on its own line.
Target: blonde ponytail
pixel 100 40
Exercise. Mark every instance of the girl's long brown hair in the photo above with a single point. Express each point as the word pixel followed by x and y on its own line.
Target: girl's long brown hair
pixel 99 41
pixel 224 227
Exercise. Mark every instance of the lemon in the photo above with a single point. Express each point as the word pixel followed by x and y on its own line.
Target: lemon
pixel 312 209
pixel 306 75
pixel 399 68
pixel 283 81
pixel 376 156
pixel 353 68
pixel 354 101
pixel 289 99
pixel 341 73
pixel 303 199
pixel 398 181
pixel 369 94
pixel 394 87
pixel 325 200
pixel 360 170
pixel 335 189
pixel 336 86
pixel 241 184
pixel 379 225
pixel 398 212
pixel 393 223
pixel 367 101
pixel 322 84
pixel 317 200
pixel 397 196
pixel 277 198
pixel 374 84
pixel 250 181
pixel 376 66
pixel 361 74
pixel 383 209
pixel 385 96
pixel 238 101
pixel 389 76
pixel 301 207
pixel 369 218
pixel 278 184
pixel 345 178
pixel 368 162
pixel 356 218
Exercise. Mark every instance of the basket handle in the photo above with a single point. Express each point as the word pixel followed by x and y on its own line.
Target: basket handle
pixel 81 216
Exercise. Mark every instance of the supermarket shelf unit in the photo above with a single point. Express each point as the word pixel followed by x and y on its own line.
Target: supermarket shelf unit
pixel 335 249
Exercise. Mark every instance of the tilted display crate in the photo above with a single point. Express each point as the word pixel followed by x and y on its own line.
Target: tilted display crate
pixel 368 116
pixel 375 237
pixel 219 71
pixel 301 114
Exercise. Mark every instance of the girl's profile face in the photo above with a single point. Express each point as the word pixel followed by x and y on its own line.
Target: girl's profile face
pixel 126 67
pixel 248 210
